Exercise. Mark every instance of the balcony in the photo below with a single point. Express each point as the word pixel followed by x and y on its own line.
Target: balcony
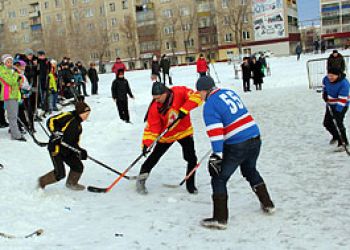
pixel 36 27
pixel 145 18
pixel 207 30
pixel 35 13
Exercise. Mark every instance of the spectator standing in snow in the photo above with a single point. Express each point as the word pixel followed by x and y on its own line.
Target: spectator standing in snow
pixel 257 73
pixel 202 66
pixel 120 92
pixel 117 66
pixel 235 141
pixel 92 73
pixel 246 74
pixel 165 67
pixel 336 95
pixel 298 51
pixel 156 68
pixel 66 127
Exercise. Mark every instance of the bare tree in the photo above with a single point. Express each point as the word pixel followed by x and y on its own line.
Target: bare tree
pixel 128 29
pixel 235 17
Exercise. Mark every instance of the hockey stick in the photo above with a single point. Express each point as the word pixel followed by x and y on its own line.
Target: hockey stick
pixel 107 189
pixel 39 143
pixel 35 233
pixel 338 130
pixel 189 174
pixel 97 161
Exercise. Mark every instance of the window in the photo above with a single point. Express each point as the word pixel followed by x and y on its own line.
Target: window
pixel 23 12
pixel 164 1
pixel 74 2
pixel 170 45
pixel 91 26
pixel 57 3
pixel 167 13
pixel 168 30
pixel 189 43
pixel 204 39
pixel 46 5
pixel 59 17
pixel 186 27
pixel 114 21
pixel 76 15
pixel 226 20
pixel 86 1
pixel 94 55
pixel 24 25
pixel 89 13
pixel 12 14
pixel 125 4
pixel 228 37
pixel 117 52
pixel 48 19
pixel 184 11
pixel 13 28
pixel 246 35
pixel 112 7
pixel 204 22
pixel 224 3
pixel 243 2
pixel 245 18
pixel 26 39
pixel 115 37
pixel 102 10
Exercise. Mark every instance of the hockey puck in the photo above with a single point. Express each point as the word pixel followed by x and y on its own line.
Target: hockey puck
pixel 1 166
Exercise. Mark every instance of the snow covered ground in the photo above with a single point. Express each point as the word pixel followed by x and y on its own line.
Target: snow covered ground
pixel 307 181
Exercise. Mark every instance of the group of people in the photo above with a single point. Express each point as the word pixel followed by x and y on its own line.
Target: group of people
pixel 253 68
pixel 30 81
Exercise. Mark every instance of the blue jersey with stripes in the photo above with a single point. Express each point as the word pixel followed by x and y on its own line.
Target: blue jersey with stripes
pixel 337 93
pixel 227 119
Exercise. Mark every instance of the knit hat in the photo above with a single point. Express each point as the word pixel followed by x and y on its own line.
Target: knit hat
pixel 6 57
pixel 81 107
pixel 205 83
pixel 334 71
pixel 159 88
pixel 28 52
pixel 41 52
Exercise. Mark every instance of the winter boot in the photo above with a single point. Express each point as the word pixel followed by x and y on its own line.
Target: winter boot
pixel 47 179
pixel 140 183
pixel 191 188
pixel 72 181
pixel 265 202
pixel 220 213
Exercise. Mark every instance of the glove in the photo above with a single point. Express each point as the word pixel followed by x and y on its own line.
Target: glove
pixel 56 137
pixel 144 150
pixel 83 154
pixel 181 115
pixel 214 165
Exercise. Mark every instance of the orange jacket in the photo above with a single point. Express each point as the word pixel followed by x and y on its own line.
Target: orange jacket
pixel 184 99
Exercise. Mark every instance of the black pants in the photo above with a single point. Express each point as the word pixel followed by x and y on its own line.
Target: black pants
pixel 246 84
pixel 71 160
pixel 2 113
pixel 82 84
pixel 169 78
pixel 94 87
pixel 188 153
pixel 123 110
pixel 329 124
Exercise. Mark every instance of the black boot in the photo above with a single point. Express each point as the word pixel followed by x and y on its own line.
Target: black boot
pixel 220 213
pixel 190 186
pixel 265 202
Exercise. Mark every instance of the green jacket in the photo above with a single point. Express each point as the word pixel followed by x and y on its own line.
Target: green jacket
pixel 10 86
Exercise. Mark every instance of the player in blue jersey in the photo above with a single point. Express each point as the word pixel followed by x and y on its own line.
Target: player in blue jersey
pixel 336 95
pixel 235 140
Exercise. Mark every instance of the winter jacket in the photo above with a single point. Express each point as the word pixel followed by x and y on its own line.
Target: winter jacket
pixel 201 65
pixel 118 65
pixel 155 67
pixel 298 49
pixel 165 65
pixel 44 67
pixel 120 89
pixel 67 75
pixel 160 116
pixel 69 123
pixel 336 62
pixel 227 119
pixel 257 71
pixel 31 71
pixel 336 94
pixel 246 71
pixel 52 82
pixel 92 73
pixel 78 78
pixel 25 87
pixel 10 81
pixel 83 72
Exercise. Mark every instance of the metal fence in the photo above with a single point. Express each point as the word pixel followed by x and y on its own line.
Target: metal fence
pixel 317 70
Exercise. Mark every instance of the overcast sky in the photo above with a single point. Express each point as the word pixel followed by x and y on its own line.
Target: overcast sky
pixel 308 9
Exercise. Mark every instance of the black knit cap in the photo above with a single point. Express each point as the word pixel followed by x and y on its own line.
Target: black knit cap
pixel 81 107
pixel 159 88
pixel 205 83
pixel 334 71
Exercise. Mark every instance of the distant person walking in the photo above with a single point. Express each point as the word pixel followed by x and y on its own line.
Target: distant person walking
pixel 298 51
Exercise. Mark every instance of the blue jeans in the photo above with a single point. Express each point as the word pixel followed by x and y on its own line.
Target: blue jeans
pixel 245 155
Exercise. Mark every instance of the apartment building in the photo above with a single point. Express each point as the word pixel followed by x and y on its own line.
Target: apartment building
pixel 335 22
pixel 135 30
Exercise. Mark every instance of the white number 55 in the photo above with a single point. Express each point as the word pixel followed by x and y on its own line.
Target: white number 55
pixel 232 101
